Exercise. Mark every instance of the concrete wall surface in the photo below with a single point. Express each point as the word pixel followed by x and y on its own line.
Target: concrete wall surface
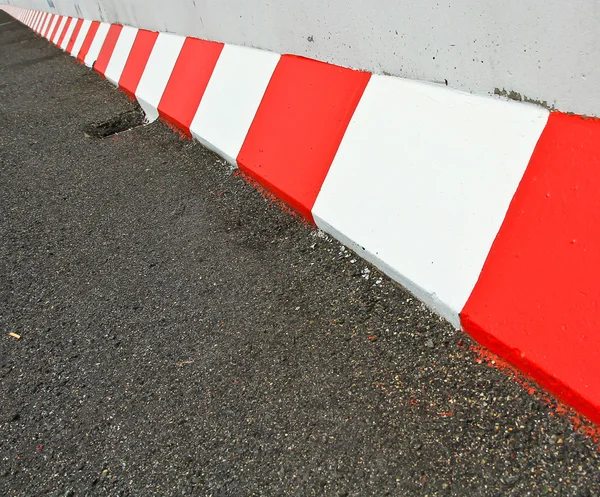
pixel 543 51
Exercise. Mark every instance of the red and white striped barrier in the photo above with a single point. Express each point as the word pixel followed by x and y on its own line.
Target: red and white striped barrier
pixel 487 210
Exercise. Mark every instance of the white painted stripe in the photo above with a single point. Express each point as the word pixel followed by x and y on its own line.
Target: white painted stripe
pixel 85 27
pixel 38 21
pixel 423 179
pixel 35 20
pixel 70 28
pixel 55 23
pixel 157 73
pixel 97 43
pixel 61 26
pixel 117 62
pixel 231 99
pixel 46 30
pixel 45 18
pixel 51 28
pixel 43 22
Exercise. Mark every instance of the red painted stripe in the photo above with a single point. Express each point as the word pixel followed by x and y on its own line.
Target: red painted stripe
pixel 61 38
pixel 52 16
pixel 87 42
pixel 74 35
pixel 137 60
pixel 108 48
pixel 537 300
pixel 298 128
pixel 36 20
pixel 188 81
pixel 53 34
pixel 40 24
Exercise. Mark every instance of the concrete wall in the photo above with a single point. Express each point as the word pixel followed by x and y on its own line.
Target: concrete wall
pixel 545 51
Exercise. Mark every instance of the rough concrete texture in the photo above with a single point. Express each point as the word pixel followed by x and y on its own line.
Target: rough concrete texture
pixel 180 335
pixel 547 52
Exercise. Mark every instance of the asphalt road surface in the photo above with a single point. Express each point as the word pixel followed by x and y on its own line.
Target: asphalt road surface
pixel 181 335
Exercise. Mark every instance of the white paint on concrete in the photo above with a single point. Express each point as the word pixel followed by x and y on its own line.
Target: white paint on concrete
pixel 45 17
pixel 51 27
pixel 70 28
pixel 546 50
pixel 85 27
pixel 44 24
pixel 38 18
pixel 157 73
pixel 34 19
pixel 61 26
pixel 231 99
pixel 117 62
pixel 47 32
pixel 96 45
pixel 423 179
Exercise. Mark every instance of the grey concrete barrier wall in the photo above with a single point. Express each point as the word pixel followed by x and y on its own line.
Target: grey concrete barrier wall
pixel 547 52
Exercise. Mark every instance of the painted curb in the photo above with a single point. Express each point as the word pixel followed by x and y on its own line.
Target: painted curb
pixel 485 209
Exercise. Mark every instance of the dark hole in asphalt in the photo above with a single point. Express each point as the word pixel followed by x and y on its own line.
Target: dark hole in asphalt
pixel 122 122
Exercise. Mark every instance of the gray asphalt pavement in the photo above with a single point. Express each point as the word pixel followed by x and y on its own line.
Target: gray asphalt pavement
pixel 180 335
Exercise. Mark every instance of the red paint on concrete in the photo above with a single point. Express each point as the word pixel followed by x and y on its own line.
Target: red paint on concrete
pixel 74 35
pixel 137 60
pixel 61 38
pixel 35 19
pixel 536 303
pixel 298 128
pixel 39 20
pixel 42 22
pixel 47 28
pixel 188 81
pixel 53 34
pixel 108 48
pixel 87 42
